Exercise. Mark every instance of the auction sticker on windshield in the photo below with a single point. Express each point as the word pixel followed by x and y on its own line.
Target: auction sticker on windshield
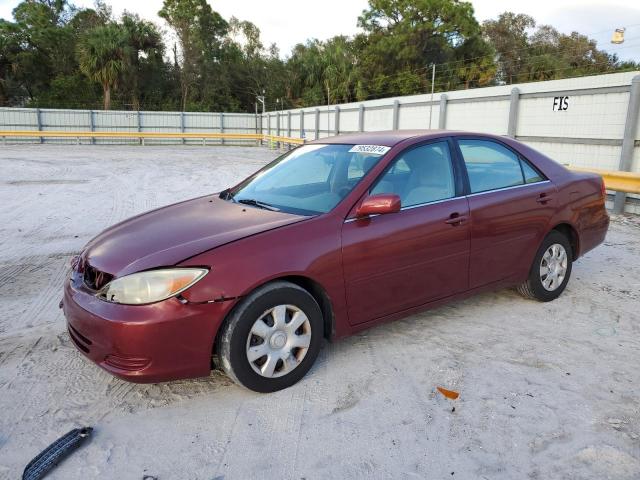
pixel 371 149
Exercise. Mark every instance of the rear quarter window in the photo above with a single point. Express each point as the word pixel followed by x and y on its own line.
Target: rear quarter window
pixel 531 175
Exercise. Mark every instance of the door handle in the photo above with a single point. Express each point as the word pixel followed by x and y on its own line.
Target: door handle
pixel 456 219
pixel 544 198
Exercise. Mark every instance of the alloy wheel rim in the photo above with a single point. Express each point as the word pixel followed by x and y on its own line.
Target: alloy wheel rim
pixel 278 341
pixel 553 267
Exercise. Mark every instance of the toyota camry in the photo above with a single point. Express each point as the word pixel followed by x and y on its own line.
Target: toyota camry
pixel 328 239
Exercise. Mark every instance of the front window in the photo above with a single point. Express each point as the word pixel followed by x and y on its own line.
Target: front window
pixel 421 175
pixel 309 180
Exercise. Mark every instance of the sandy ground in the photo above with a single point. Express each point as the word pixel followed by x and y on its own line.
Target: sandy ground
pixel 546 390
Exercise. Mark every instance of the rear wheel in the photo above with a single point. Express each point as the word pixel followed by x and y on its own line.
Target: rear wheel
pixel 272 339
pixel 551 269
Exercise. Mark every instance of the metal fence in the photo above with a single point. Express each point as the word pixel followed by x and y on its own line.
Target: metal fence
pixel 43 120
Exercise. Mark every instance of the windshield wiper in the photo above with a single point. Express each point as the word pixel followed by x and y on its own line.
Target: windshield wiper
pixel 255 203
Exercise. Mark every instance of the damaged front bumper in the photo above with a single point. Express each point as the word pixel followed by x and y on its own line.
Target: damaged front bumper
pixel 151 343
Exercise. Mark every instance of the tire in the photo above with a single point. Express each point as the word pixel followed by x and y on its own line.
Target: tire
pixel 554 246
pixel 264 322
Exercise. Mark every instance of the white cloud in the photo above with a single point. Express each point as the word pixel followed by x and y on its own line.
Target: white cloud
pixel 287 22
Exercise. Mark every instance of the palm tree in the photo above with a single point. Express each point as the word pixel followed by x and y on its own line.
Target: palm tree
pixel 338 72
pixel 103 56
pixel 143 39
pixel 478 73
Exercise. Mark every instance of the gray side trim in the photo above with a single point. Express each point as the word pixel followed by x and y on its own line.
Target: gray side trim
pixel 442 118
pixel 410 207
pixel 381 107
pixel 514 103
pixel 583 91
pixel 395 117
pixel 508 188
pixel 350 109
pixel 417 104
pixel 39 122
pixel 495 98
pixel 629 142
pixel 418 205
pixel 612 142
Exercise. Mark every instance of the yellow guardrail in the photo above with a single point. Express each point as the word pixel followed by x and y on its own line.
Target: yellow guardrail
pixel 273 139
pixel 628 182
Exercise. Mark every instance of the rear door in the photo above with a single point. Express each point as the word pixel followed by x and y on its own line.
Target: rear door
pixel 510 204
pixel 400 260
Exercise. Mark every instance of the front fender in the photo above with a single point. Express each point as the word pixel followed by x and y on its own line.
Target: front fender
pixel 310 249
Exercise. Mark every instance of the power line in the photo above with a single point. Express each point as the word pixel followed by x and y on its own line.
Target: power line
pixel 447 83
pixel 535 60
pixel 528 47
pixel 448 68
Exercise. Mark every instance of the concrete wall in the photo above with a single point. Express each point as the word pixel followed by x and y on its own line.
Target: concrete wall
pixel 588 133
pixel 577 121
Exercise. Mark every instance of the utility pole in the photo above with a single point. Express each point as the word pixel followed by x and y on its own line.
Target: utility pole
pixel 260 98
pixel 433 79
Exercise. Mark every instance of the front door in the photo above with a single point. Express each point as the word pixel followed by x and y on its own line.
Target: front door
pixel 401 260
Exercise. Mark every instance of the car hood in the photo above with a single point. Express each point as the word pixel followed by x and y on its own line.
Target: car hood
pixel 168 235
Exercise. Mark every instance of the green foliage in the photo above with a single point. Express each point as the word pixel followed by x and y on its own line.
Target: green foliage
pixel 144 46
pixel 508 35
pixel 321 72
pixel 200 32
pixel 55 55
pixel 104 56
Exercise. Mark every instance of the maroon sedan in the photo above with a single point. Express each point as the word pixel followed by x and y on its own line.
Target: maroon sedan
pixel 331 238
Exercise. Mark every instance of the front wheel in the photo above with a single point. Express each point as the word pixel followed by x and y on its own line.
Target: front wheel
pixel 551 269
pixel 272 338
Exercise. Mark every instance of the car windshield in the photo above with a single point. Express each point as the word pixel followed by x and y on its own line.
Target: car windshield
pixel 310 180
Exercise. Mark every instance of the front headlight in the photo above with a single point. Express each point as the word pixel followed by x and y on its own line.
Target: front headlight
pixel 151 286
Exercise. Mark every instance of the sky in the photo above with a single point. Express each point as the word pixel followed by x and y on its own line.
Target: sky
pixel 287 22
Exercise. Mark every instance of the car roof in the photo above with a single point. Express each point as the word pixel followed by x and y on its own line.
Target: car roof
pixel 390 138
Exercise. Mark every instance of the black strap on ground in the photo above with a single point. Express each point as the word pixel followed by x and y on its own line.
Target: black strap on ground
pixel 55 453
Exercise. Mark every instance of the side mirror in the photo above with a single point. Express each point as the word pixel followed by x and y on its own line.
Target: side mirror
pixel 379 205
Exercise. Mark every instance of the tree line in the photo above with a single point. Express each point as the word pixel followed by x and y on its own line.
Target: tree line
pixel 54 54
